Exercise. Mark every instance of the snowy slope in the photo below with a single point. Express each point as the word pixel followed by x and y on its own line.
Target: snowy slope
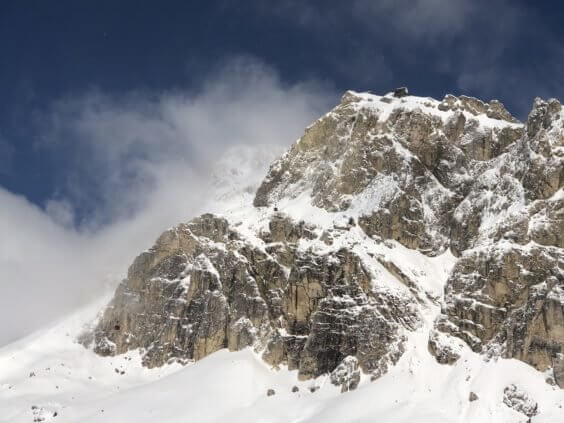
pixel 83 387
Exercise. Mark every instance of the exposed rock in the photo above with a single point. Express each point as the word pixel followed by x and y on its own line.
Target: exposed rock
pixel 283 229
pixel 270 392
pixel 472 397
pixel 405 165
pixel 495 109
pixel 545 141
pixel 546 222
pixel 511 297
pixel 347 374
pixel 186 298
pixel 301 287
pixel 444 348
pixel 202 287
pixel 401 92
pixel 520 401
pixel 558 366
pixel 504 294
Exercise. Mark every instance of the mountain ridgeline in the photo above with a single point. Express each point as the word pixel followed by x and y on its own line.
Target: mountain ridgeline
pixel 391 214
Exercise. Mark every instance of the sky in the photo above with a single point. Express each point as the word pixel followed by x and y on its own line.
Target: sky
pixel 114 114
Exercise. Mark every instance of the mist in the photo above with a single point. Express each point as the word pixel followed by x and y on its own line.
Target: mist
pixel 138 163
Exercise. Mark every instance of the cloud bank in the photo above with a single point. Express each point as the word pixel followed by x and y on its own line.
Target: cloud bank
pixel 138 164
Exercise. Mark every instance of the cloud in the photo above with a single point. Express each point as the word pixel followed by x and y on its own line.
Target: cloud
pixel 121 148
pixel 138 164
pixel 61 212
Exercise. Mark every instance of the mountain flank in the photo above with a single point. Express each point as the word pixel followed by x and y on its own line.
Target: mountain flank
pixel 390 214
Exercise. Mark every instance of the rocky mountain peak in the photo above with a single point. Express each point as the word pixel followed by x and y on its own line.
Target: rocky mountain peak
pixel 381 157
pixel 493 110
pixel 543 114
pixel 390 214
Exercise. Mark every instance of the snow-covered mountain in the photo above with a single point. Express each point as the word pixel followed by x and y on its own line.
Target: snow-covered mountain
pixel 403 260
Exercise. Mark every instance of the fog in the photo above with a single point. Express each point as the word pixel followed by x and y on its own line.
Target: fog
pixel 137 164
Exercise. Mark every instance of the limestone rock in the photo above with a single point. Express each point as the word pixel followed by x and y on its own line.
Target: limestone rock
pixel 203 287
pixel 310 283
pixel 444 348
pixel 520 401
pixel 495 109
pixel 404 164
pixel 347 374
pixel 510 297
pixel 401 92
pixel 558 366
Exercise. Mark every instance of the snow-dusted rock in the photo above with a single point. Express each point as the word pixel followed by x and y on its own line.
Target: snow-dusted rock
pixel 503 294
pixel 338 258
pixel 520 401
pixel 204 287
pixel 347 374
pixel 402 165
pixel 446 349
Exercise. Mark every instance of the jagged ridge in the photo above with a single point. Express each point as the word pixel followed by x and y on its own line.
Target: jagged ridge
pixel 315 286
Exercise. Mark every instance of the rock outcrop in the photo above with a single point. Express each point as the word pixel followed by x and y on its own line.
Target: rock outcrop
pixel 371 194
pixel 347 374
pixel 403 165
pixel 505 293
pixel 202 287
pixel 520 401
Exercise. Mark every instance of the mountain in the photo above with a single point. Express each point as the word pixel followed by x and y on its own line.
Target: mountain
pixel 405 249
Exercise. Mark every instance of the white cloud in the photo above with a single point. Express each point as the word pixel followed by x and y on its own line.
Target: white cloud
pixel 61 212
pixel 120 145
pixel 143 163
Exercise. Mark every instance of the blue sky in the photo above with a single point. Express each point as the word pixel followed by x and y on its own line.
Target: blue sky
pixel 112 113
pixel 65 50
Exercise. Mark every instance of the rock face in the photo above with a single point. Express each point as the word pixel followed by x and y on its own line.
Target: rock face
pixel 403 165
pixel 505 292
pixel 520 401
pixel 202 288
pixel 445 349
pixel 511 298
pixel 347 374
pixel 369 197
